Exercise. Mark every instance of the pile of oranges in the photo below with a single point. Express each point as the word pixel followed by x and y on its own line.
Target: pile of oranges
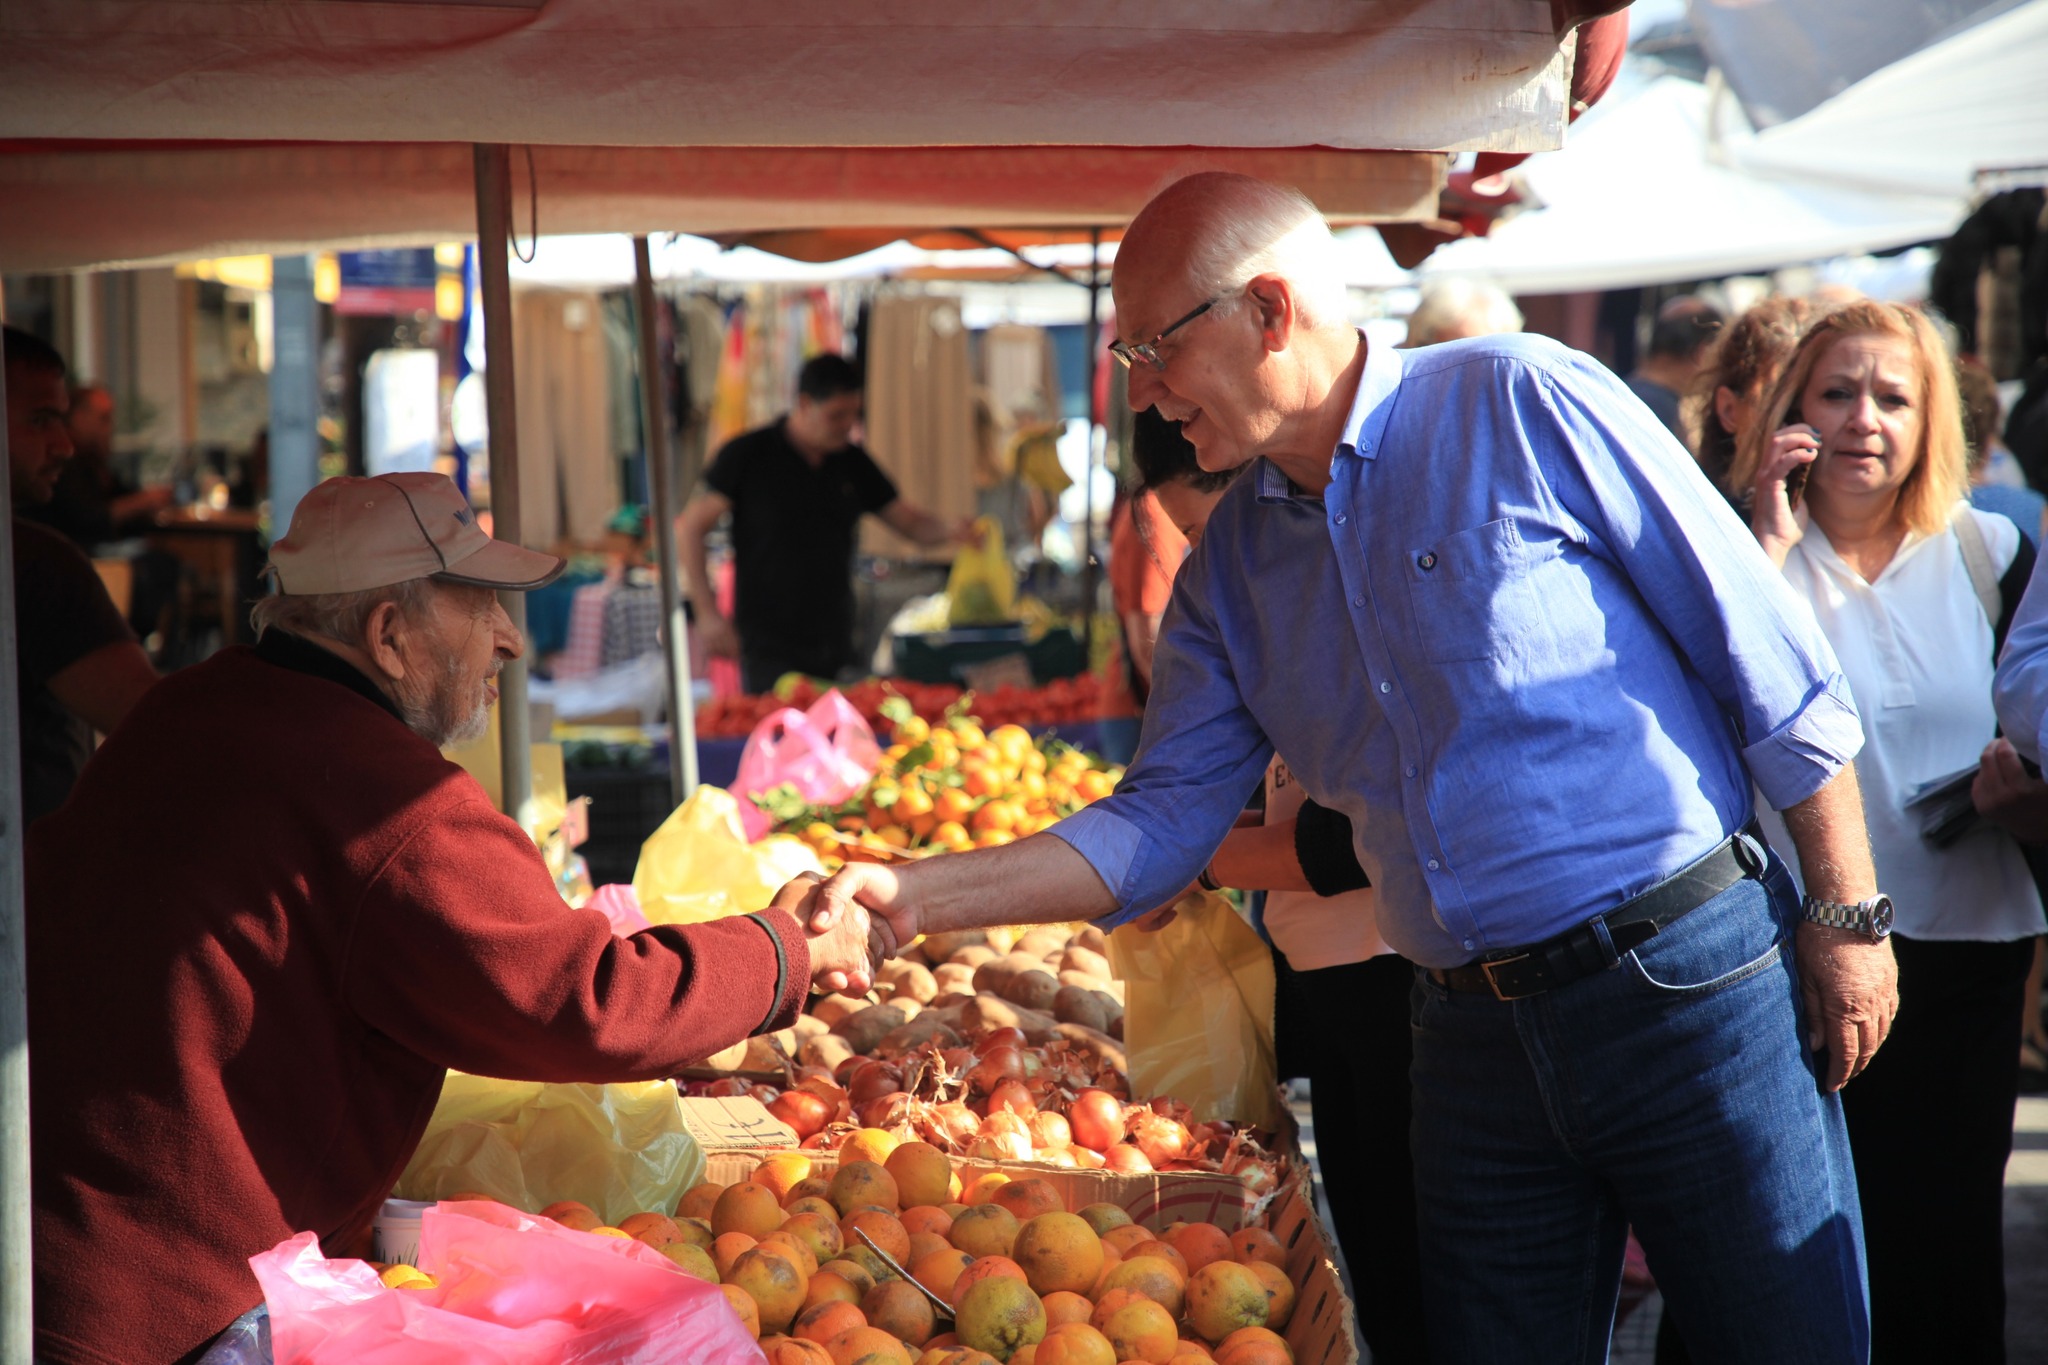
pixel 950 787
pixel 1064 701
pixel 999 1270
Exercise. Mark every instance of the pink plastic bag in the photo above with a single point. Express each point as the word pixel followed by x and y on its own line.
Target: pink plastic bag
pixel 514 1290
pixel 827 753
pixel 620 904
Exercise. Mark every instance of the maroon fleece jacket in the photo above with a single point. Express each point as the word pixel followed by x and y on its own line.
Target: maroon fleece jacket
pixel 267 921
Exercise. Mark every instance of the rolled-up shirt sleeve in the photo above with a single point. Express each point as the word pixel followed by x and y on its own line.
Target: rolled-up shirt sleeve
pixel 2020 691
pixel 1201 757
pixel 1752 642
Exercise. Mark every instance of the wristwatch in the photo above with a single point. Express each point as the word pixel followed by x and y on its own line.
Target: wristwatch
pixel 1871 918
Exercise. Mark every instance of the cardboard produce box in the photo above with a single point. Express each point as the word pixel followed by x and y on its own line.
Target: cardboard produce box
pixel 1323 1330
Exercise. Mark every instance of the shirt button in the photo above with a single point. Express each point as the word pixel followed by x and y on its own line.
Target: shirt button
pixel 1386 687
pixel 1358 601
pixel 1427 561
pixel 1470 945
pixel 1409 770
pixel 1434 865
pixel 1341 518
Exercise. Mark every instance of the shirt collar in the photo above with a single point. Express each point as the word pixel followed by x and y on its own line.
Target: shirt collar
pixel 1363 426
pixel 303 656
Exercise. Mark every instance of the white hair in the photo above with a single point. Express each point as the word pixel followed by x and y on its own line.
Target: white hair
pixel 337 615
pixel 1256 228
pixel 1454 307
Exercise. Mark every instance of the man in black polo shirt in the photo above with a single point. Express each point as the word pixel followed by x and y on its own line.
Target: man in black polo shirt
pixel 796 490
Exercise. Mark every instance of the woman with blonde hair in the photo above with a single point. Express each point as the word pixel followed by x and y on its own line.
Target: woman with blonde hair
pixel 1858 474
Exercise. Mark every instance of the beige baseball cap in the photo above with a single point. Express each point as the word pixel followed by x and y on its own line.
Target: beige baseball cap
pixel 351 535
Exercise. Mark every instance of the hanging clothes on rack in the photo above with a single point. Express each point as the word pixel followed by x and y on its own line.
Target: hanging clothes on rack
pixel 920 410
pixel 570 485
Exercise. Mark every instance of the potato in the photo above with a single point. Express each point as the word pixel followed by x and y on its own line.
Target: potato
pixel 1069 977
pixel 807 1027
pixel 1034 990
pixel 1105 1046
pixel 973 955
pixel 950 999
pixel 993 1012
pixel 939 947
pixel 909 979
pixel 994 975
pixel 1041 943
pixel 865 1029
pixel 827 1050
pixel 761 1056
pixel 923 1029
pixel 1114 989
pixel 834 1008
pixel 1091 938
pixel 727 1059
pixel 1075 1005
pixel 954 976
pixel 1085 960
pixel 1112 1006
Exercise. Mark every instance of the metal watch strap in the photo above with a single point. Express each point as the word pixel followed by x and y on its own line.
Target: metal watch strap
pixel 1860 918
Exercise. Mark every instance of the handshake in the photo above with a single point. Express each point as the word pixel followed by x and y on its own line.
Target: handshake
pixel 853 921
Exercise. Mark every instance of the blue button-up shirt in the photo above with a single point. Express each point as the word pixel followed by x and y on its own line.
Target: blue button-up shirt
pixel 2020 691
pixel 1520 641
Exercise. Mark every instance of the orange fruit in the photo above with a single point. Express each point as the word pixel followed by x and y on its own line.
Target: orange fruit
pixel 998 1315
pixel 867 1346
pixel 692 1260
pixel 655 1229
pixel 983 1189
pixel 781 1173
pixel 1164 1253
pixel 798 1250
pixel 746 1207
pixel 1257 1244
pixel 1062 1307
pixel 699 1200
pixel 776 1284
pixel 1224 1296
pixel 952 803
pixel 923 1173
pixel 811 1203
pixel 810 1187
pixel 883 1228
pixel 729 1248
pixel 1075 1343
pixel 1153 1278
pixel 818 1232
pixel 901 1310
pixel 1279 1293
pixel 829 1286
pixel 571 1214
pixel 926 1244
pixel 938 1271
pixel 867 1144
pixel 1057 1251
pixel 854 1273
pixel 983 1268
pixel 1029 1197
pixel 743 1304
pixel 1125 1235
pixel 993 817
pixel 863 1182
pixel 1198 1243
pixel 1139 1329
pixel 985 1230
pixel 1254 1346
pixel 825 1320
pixel 794 1351
pixel 927 1218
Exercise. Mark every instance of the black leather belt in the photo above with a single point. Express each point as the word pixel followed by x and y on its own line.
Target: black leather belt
pixel 1599 943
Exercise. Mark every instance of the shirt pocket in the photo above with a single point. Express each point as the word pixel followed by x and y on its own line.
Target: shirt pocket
pixel 1472 594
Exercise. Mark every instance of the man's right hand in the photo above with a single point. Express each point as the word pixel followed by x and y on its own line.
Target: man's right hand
pixel 2006 796
pixel 870 891
pixel 717 636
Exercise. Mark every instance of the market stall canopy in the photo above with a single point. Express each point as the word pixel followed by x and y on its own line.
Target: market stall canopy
pixel 66 206
pixel 1416 75
pixel 1645 194
pixel 1928 124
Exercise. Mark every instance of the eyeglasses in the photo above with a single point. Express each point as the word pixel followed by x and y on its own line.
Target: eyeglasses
pixel 1148 351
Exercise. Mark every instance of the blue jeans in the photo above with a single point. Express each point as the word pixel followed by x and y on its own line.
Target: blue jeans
pixel 1673 1093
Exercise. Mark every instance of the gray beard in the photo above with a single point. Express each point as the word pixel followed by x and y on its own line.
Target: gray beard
pixel 441 717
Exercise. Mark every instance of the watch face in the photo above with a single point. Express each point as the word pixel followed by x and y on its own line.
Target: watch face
pixel 1881 915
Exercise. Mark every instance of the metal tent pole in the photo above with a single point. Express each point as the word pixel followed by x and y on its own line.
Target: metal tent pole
pixel 1091 567
pixel 682 719
pixel 16 1324
pixel 493 241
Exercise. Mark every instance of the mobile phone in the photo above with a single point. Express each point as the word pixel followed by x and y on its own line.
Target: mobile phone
pixel 1795 482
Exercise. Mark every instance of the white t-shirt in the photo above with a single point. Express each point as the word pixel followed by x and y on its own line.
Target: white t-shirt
pixel 1916 648
pixel 1316 931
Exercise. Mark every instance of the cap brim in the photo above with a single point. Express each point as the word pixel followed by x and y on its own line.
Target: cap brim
pixel 501 564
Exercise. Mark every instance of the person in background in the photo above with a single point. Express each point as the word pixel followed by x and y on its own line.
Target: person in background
pixel 1996 483
pixel 1731 386
pixel 1685 328
pixel 77 665
pixel 1156 523
pixel 1454 308
pixel 796 491
pixel 255 1047
pixel 1881 545
pixel 1337 978
pixel 1534 659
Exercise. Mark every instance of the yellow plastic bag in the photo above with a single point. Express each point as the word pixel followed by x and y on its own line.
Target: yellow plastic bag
pixel 1198 1013
pixel 621 1149
pixel 699 866
pixel 982 589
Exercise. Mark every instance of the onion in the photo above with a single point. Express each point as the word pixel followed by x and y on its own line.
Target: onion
pixel 996 1065
pixel 885 1111
pixel 999 1037
pixel 1160 1138
pixel 1000 1147
pixel 1127 1159
pixel 1057 1156
pixel 1005 1123
pixel 871 1082
pixel 1012 1096
pixel 1085 1159
pixel 954 1120
pixel 1050 1130
pixel 802 1111
pixel 1097 1119
pixel 730 1086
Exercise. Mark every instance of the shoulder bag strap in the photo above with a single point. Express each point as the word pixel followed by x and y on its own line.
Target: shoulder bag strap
pixel 1977 559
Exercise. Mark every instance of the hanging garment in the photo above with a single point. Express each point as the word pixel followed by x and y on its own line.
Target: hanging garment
pixel 920 411
pixel 569 483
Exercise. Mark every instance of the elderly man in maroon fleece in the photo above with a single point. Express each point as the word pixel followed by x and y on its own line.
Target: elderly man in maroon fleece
pixel 272 916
